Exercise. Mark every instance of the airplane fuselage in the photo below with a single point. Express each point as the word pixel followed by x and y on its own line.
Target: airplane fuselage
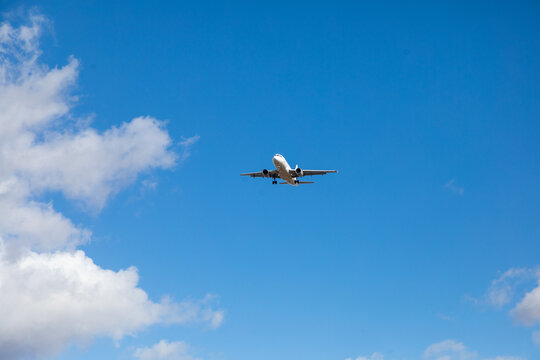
pixel 283 169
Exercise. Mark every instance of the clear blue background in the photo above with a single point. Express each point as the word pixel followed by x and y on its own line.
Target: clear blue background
pixel 401 99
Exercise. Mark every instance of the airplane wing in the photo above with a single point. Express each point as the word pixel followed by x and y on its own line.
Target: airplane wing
pixel 271 174
pixel 312 172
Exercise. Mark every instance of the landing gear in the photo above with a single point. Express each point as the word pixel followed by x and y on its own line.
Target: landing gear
pixel 296 182
pixel 274 182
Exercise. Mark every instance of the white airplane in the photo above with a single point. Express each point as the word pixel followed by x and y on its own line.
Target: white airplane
pixel 285 172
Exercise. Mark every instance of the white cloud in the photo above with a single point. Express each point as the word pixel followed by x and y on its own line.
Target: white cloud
pixel 501 290
pixel 90 166
pixel 27 224
pixel 449 350
pixel 51 294
pixel 445 350
pixel 451 185
pixel 83 164
pixel 445 317
pixel 51 299
pixel 187 144
pixel 41 150
pixel 165 350
pixel 374 356
pixel 453 350
pixel 527 311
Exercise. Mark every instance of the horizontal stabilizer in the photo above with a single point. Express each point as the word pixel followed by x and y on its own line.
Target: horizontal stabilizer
pixel 300 182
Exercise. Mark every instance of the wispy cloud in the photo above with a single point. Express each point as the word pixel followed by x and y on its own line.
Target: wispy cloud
pixel 455 350
pixel 536 337
pixel 451 185
pixel 502 289
pixel 187 144
pixel 374 356
pixel 449 350
pixel 445 317
pixel 164 350
pixel 445 350
pixel 149 184
pixel 513 288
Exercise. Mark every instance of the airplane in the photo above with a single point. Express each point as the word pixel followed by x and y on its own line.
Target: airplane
pixel 285 172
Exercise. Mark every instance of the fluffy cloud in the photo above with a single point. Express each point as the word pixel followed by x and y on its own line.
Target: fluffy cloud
pixel 165 350
pixel 53 294
pixel 41 150
pixel 82 164
pixel 90 166
pixel 527 311
pixel 509 286
pixel 27 224
pixel 52 299
pixel 502 289
pixel 449 350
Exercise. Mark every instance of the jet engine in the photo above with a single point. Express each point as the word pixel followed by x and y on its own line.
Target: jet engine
pixel 299 172
pixel 265 172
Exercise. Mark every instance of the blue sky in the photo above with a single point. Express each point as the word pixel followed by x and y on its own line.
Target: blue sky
pixel 429 111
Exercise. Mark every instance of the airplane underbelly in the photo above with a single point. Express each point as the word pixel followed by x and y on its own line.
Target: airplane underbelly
pixel 284 173
pixel 285 176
